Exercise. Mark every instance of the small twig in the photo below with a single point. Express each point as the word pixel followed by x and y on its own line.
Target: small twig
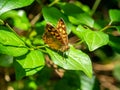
pixel 54 2
pixel 106 27
pixel 97 2
pixel 35 19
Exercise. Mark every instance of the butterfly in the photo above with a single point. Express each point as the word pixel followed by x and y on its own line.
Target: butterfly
pixel 56 37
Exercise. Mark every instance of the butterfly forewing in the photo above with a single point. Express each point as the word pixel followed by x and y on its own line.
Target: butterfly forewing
pixel 56 38
pixel 61 28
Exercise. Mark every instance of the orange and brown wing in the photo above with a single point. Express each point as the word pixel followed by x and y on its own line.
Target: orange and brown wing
pixel 61 28
pixel 50 38
pixel 56 38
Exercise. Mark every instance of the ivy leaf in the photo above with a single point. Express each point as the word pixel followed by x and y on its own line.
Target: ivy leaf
pixel 13 50
pixel 10 44
pixel 75 60
pixel 76 15
pixel 91 83
pixel 94 39
pixel 114 15
pixel 82 18
pixel 6 5
pixel 29 64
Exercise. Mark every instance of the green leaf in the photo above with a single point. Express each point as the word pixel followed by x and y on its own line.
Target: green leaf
pixel 91 83
pixel 7 37
pixel 82 18
pixel 29 64
pixel 6 5
pixel 19 19
pixel 70 9
pixel 76 15
pixel 10 44
pixel 114 43
pixel 114 15
pixel 75 60
pixel 52 15
pixel 94 39
pixel 13 50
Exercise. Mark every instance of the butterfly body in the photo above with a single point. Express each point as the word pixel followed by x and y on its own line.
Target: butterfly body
pixel 56 38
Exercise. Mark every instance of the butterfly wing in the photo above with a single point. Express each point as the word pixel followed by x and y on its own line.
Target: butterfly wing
pixel 50 39
pixel 56 38
pixel 61 28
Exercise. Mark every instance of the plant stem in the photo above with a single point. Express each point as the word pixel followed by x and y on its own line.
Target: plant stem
pixel 7 25
pixel 106 27
pixel 54 2
pixel 97 2
pixel 43 51
pixel 79 43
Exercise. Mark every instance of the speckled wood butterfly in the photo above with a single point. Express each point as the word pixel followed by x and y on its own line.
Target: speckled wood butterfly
pixel 56 37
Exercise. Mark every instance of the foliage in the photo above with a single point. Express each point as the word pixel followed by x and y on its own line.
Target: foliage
pixel 21 43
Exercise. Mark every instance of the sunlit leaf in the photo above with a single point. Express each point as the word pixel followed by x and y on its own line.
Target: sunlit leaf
pixel 10 43
pixel 75 60
pixel 76 14
pixel 94 39
pixel 29 64
pixel 6 5
pixel 114 15
pixel 88 83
